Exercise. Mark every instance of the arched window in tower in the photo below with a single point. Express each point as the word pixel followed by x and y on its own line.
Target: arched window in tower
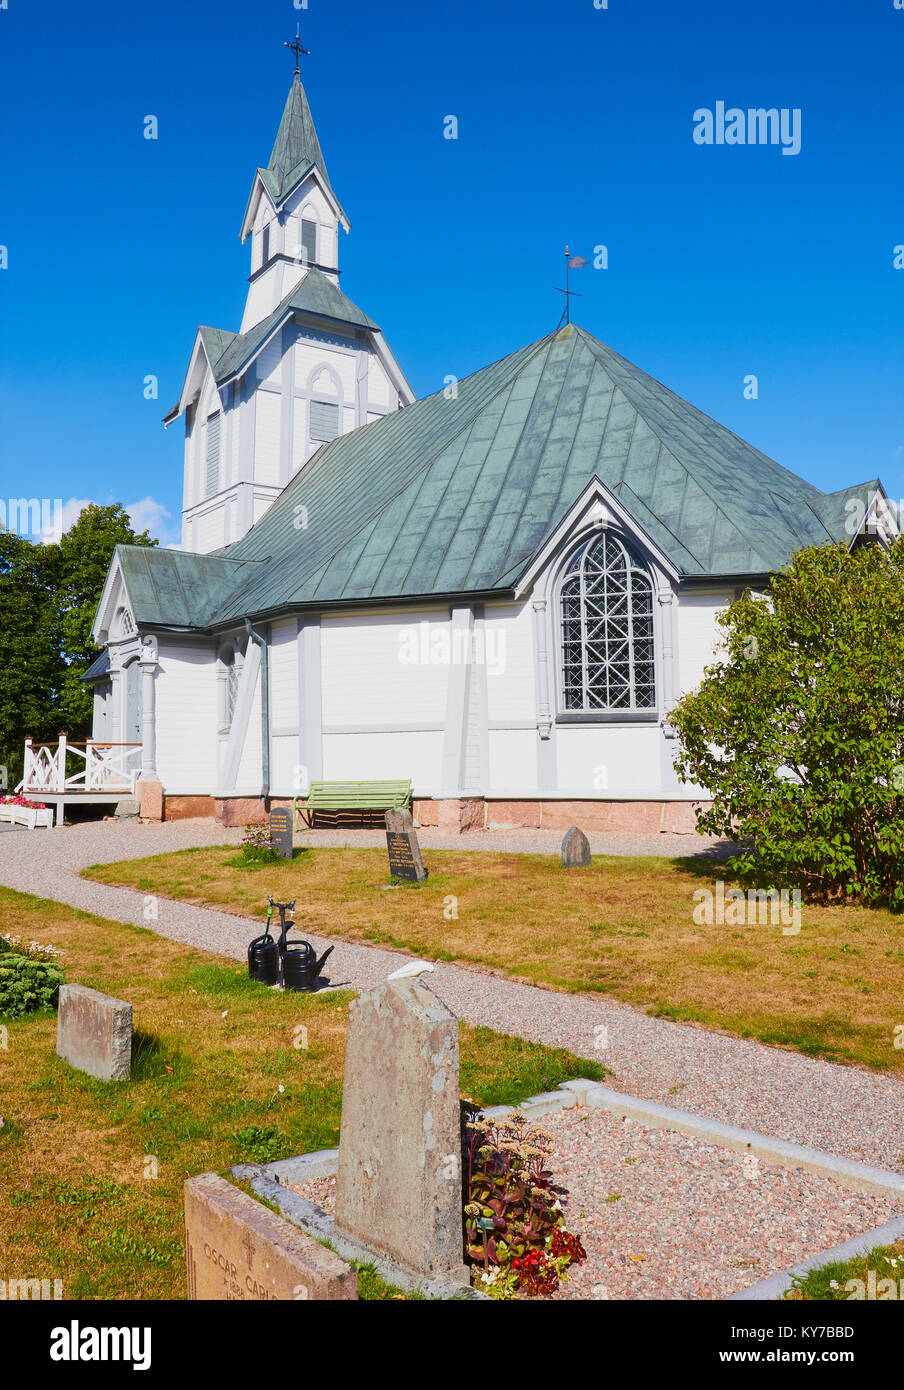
pixel 607 657
pixel 325 406
pixel 308 241
pixel 265 244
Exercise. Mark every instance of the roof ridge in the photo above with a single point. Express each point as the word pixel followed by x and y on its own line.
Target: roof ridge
pixel 317 463
pixel 710 419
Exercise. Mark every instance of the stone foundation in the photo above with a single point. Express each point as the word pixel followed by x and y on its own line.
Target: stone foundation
pixel 635 817
pixel 187 807
pixel 456 816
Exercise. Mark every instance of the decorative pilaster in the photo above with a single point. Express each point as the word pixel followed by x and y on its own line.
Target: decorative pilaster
pixel 148 663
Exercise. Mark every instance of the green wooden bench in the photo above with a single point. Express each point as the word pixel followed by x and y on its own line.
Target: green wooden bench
pixel 351 796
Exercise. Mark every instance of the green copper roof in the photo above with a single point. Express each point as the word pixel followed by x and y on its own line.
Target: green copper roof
pixel 457 496
pixel 296 150
pixel 173 587
pixel 316 295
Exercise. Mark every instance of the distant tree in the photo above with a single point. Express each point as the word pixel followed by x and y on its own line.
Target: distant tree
pixel 797 730
pixel 85 552
pixel 29 664
pixel 48 599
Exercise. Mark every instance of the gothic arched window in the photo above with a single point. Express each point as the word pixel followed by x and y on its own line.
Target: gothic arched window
pixel 606 627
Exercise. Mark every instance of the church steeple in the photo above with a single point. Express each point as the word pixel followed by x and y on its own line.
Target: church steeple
pixel 296 148
pixel 293 215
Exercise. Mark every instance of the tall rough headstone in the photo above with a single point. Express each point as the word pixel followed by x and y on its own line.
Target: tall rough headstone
pixel 398 1186
pixel 94 1032
pixel 238 1249
pixel 404 851
pixel 575 849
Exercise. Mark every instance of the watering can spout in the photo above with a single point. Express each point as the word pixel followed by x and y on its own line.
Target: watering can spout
pixel 318 968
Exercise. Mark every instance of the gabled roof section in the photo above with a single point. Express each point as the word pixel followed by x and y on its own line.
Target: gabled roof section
pixel 457 496
pixel 173 588
pixel 316 296
pixel 229 354
pixel 296 154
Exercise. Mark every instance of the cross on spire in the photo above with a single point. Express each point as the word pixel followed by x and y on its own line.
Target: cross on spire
pixel 297 49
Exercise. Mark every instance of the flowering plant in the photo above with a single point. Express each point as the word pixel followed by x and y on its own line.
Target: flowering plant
pixel 20 800
pixel 515 1234
pixel 257 847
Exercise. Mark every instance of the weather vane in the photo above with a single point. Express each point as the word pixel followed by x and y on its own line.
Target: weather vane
pixel 571 263
pixel 297 49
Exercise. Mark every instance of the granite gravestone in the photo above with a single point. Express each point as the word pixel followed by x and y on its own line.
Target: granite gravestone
pixel 281 831
pixel 94 1032
pixel 238 1249
pixel 575 849
pixel 398 1183
pixel 404 851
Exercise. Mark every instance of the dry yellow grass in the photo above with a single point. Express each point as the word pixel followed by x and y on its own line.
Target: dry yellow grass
pixel 623 927
pixel 91 1173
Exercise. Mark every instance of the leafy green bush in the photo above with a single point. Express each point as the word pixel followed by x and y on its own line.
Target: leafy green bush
pixel 27 985
pixel 797 731
pixel 515 1233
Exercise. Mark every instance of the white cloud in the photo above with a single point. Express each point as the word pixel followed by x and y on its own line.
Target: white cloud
pixel 150 515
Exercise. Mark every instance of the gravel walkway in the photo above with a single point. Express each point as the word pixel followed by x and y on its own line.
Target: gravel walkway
pixel 662 1215
pixel 844 1110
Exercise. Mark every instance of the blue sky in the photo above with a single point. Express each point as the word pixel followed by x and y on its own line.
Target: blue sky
pixel 575 125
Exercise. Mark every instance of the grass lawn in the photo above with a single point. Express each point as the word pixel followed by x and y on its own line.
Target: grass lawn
pixel 887 1261
pixel 223 1070
pixel 622 927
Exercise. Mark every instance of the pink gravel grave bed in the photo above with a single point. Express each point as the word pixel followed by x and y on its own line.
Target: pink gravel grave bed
pixel 662 1215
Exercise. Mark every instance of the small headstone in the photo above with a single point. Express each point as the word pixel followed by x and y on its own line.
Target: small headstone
pixel 281 831
pixel 398 1184
pixel 236 1248
pixel 575 849
pixel 404 851
pixel 94 1032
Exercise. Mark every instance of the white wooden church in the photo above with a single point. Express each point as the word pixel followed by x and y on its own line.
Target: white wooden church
pixel 497 592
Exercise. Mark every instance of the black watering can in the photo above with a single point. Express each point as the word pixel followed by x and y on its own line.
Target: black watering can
pixel 263 955
pixel 300 966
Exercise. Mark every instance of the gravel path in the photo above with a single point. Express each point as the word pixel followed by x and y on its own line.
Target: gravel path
pixel 662 1215
pixel 844 1110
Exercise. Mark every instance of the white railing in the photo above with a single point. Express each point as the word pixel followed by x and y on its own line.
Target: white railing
pixel 108 767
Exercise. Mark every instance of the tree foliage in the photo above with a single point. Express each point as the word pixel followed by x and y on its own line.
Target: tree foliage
pixel 48 597
pixel 797 731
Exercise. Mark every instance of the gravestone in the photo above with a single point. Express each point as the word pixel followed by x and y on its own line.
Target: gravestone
pixel 398 1184
pixel 238 1249
pixel 281 831
pixel 575 849
pixel 94 1032
pixel 404 851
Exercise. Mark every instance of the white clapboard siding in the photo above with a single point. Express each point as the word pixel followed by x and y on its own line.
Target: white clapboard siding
pixel 376 757
pixel 367 681
pixel 210 530
pixel 299 433
pixel 284 766
pixel 513 760
pixel 511 679
pixel 186 696
pixel 284 675
pixel 698 635
pixel 608 760
pixel 269 362
pixel 266 437
pixel 379 390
